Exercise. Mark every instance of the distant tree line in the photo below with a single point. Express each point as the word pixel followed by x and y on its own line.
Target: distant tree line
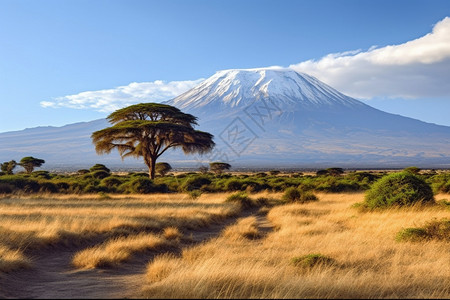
pixel 28 163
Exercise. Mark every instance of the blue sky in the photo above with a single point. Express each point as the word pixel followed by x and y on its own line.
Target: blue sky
pixel 67 61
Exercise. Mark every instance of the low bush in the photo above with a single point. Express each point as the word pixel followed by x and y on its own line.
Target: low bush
pixel 100 174
pixel 41 174
pixel 111 182
pixel 48 187
pixel 399 189
pixel 6 188
pixel 312 260
pixel 435 229
pixel 293 194
pixel 140 185
pixel 241 198
pixel 195 194
pixel 195 182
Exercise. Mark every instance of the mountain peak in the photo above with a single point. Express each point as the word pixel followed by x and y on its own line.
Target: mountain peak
pixel 242 87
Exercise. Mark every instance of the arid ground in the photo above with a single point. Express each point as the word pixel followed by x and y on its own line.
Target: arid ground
pixel 174 246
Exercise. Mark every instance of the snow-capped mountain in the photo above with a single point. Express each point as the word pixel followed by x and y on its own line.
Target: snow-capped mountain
pixel 241 88
pixel 279 116
pixel 267 117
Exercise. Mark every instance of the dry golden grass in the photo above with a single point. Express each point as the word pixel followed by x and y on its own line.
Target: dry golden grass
pixel 172 233
pixel 368 262
pixel 12 260
pixel 114 251
pixel 28 223
pixel 245 228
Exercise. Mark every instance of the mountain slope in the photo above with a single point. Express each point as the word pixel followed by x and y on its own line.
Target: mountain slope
pixel 288 117
pixel 263 117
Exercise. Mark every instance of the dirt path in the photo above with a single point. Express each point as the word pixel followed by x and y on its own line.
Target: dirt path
pixel 53 277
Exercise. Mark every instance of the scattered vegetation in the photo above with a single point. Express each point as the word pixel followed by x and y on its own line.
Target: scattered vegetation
pixel 100 179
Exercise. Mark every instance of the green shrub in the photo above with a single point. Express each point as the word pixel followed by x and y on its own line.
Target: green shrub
pixel 111 182
pixel 48 187
pixel 41 174
pixel 293 194
pixel 440 183
pixel 6 188
pixel 94 188
pixel 254 186
pixel 21 183
pixel 142 185
pixel 399 189
pixel 412 170
pixel 307 196
pixel 195 182
pixel 195 194
pixel 312 260
pixel 139 174
pixel 62 186
pixel 241 198
pixel 99 167
pixel 411 234
pixel 104 196
pixel 439 230
pixel 233 185
pixel 100 174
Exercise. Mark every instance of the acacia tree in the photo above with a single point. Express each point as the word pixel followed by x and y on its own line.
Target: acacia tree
pixel 8 166
pixel 219 167
pixel 149 130
pixel 29 163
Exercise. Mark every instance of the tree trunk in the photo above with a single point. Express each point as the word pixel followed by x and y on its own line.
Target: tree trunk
pixel 152 167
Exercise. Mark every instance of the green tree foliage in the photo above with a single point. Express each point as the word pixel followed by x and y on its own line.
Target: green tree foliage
pixel 162 168
pixel 335 171
pixel 149 130
pixel 399 189
pixel 321 172
pixel 99 167
pixel 8 167
pixel 219 167
pixel 330 171
pixel 29 163
pixel 412 170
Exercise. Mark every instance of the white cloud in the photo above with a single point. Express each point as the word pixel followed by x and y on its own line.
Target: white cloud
pixel 113 99
pixel 418 68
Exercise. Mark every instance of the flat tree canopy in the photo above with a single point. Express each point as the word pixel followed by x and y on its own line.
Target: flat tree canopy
pixel 148 130
pixel 29 163
pixel 219 167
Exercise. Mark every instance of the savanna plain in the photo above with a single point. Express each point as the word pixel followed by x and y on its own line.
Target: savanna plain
pixel 310 236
